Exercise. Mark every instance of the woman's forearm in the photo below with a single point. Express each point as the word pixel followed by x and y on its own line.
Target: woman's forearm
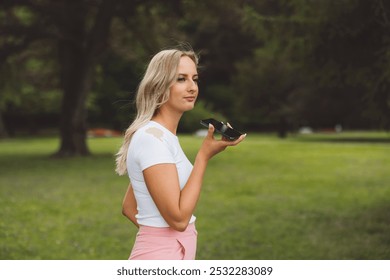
pixel 129 206
pixel 190 194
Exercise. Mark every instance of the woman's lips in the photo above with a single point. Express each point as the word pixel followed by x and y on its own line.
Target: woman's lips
pixel 190 99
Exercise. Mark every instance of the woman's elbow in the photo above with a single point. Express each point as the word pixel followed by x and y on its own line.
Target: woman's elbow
pixel 126 212
pixel 179 226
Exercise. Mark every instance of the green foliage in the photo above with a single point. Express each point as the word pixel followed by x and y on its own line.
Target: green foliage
pixel 29 89
pixel 349 61
pixel 308 197
pixel 23 15
pixel 310 62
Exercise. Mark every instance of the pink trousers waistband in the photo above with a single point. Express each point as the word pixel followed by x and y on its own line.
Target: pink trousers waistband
pixel 153 243
pixel 166 231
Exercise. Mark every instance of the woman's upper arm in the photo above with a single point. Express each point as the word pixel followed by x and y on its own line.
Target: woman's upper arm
pixel 162 182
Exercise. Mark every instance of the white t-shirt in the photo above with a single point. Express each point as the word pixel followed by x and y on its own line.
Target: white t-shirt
pixel 150 145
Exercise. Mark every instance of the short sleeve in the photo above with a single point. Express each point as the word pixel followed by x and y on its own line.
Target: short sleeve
pixel 152 148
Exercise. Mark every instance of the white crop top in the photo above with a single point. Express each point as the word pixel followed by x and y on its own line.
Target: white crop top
pixel 150 145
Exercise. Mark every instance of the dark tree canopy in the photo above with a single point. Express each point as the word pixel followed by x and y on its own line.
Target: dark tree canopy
pixel 264 64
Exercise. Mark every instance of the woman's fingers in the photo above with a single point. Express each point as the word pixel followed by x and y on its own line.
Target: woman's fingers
pixel 225 141
pixel 210 132
pixel 235 142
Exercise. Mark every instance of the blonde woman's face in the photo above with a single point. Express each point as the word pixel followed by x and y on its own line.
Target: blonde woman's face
pixel 184 91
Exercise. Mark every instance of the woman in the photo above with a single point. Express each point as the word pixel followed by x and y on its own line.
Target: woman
pixel 164 186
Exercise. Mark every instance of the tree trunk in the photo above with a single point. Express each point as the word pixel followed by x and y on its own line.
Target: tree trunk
pixel 76 81
pixel 283 127
pixel 79 49
pixel 3 130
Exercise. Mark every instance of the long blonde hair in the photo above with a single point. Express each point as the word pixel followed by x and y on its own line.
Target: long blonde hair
pixel 153 91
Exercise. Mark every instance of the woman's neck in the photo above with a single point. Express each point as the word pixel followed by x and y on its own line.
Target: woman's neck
pixel 169 121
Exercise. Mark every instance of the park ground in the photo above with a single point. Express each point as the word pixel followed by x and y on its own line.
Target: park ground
pixel 319 196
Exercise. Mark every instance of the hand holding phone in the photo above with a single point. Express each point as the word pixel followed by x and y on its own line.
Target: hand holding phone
pixel 228 132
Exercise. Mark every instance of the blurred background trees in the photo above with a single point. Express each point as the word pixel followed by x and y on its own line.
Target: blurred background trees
pixel 265 64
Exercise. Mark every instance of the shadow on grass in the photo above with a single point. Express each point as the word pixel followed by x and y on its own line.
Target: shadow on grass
pixel 344 139
pixel 366 232
pixel 45 162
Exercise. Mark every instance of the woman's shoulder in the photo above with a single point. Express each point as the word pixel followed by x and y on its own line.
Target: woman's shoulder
pixel 150 132
pixel 151 141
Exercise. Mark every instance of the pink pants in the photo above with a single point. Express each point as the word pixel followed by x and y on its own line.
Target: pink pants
pixel 153 243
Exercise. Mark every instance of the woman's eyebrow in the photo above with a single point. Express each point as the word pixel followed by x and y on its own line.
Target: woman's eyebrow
pixel 186 75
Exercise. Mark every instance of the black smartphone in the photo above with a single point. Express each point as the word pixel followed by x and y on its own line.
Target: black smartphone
pixel 229 133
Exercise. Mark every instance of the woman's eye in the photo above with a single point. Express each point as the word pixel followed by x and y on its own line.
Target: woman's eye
pixel 181 79
pixel 196 81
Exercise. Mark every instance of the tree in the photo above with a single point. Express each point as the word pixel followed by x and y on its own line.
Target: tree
pixel 29 89
pixel 263 63
pixel 217 32
pixel 3 130
pixel 349 61
pixel 79 32
pixel 272 75
pixel 317 62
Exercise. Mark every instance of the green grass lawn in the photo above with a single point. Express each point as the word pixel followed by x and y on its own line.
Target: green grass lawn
pixel 305 197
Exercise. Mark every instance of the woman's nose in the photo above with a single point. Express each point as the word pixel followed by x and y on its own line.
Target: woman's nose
pixel 193 86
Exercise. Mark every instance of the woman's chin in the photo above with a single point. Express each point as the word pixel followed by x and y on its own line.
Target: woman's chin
pixel 189 108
